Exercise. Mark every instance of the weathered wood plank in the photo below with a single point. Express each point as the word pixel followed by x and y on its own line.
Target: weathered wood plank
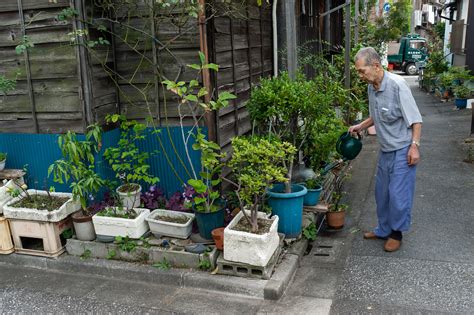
pixel 47 102
pixel 12 5
pixel 60 125
pixel 20 126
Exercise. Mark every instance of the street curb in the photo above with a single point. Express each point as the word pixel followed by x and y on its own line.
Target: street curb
pixel 187 278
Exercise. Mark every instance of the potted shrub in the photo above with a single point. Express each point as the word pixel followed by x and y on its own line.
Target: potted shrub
pixel 77 167
pixel 3 160
pixel 462 93
pixel 128 162
pixel 314 188
pixel 251 237
pixel 335 217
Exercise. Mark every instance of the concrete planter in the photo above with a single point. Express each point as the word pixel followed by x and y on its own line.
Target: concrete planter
pixel 130 199
pixel 4 195
pixel 57 215
pixel 111 227
pixel 178 230
pixel 6 244
pixel 249 248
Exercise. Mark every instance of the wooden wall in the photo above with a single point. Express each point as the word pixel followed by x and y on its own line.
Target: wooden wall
pixel 242 46
pixel 53 104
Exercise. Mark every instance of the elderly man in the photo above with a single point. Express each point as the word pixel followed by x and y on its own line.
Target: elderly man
pixel 397 121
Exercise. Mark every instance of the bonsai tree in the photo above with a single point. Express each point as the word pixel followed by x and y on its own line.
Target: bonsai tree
pixel 78 165
pixel 126 159
pixel 256 164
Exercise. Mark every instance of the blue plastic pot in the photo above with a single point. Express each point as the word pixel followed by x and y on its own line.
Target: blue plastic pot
pixel 209 221
pixel 312 197
pixel 460 102
pixel 288 207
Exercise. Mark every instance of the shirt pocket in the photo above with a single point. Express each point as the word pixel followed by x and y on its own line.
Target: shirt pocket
pixel 389 113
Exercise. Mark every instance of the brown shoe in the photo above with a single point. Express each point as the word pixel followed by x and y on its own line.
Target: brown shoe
pixel 392 245
pixel 372 236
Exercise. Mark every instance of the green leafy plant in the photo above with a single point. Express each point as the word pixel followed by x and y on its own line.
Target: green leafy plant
pixel 86 254
pixel 205 181
pixel 125 243
pixel 163 265
pixel 309 232
pixel 7 85
pixel 463 92
pixel 127 161
pixel 3 156
pixel 78 165
pixel 205 263
pixel 256 164
pixel 111 254
pixel 68 233
pixel 24 45
pixel 313 183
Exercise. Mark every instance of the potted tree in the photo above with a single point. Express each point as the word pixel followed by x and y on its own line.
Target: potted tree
pixel 78 167
pixel 251 237
pixel 128 162
pixel 3 160
pixel 287 109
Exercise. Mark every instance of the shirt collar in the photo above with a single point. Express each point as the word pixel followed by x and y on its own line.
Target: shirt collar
pixel 384 81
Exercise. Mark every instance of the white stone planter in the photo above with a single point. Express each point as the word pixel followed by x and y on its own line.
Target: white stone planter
pixel 64 211
pixel 172 229
pixel 4 195
pixel 2 164
pixel 249 248
pixel 110 226
pixel 131 199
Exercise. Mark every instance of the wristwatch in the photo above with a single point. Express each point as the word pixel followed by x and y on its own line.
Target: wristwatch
pixel 417 143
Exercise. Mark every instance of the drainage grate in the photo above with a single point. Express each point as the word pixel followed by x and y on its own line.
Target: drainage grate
pixel 320 254
pixel 325 246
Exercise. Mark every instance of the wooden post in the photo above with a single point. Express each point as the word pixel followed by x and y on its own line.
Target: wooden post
pixel 86 94
pixel 28 68
pixel 234 77
pixel 210 117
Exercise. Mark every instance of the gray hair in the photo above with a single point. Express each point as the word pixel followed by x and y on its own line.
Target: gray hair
pixel 369 55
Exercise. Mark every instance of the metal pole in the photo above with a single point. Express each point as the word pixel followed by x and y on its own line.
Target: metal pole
pixel 327 23
pixel 347 53
pixel 290 20
pixel 356 22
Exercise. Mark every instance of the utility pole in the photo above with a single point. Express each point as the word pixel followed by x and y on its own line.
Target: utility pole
pixel 347 56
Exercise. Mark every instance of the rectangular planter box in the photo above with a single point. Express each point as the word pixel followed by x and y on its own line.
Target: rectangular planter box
pixel 172 229
pixel 249 248
pixel 6 245
pixel 133 228
pixel 64 211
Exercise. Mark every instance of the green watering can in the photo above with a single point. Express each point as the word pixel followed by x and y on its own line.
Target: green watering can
pixel 347 146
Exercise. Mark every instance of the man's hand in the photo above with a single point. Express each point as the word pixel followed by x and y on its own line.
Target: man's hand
pixel 413 155
pixel 355 129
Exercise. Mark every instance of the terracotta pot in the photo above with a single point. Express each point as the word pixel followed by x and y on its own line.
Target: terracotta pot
pixel 335 220
pixel 218 236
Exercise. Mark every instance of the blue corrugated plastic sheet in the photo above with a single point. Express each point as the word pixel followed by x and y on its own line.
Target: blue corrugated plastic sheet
pixel 38 151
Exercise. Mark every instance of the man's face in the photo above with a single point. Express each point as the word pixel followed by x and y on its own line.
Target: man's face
pixel 367 73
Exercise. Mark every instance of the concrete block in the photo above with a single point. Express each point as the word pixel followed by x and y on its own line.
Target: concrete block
pixel 281 278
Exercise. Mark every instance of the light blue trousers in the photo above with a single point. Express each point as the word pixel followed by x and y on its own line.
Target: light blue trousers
pixel 394 191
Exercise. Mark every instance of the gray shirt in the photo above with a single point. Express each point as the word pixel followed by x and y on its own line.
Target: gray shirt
pixel 393 110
